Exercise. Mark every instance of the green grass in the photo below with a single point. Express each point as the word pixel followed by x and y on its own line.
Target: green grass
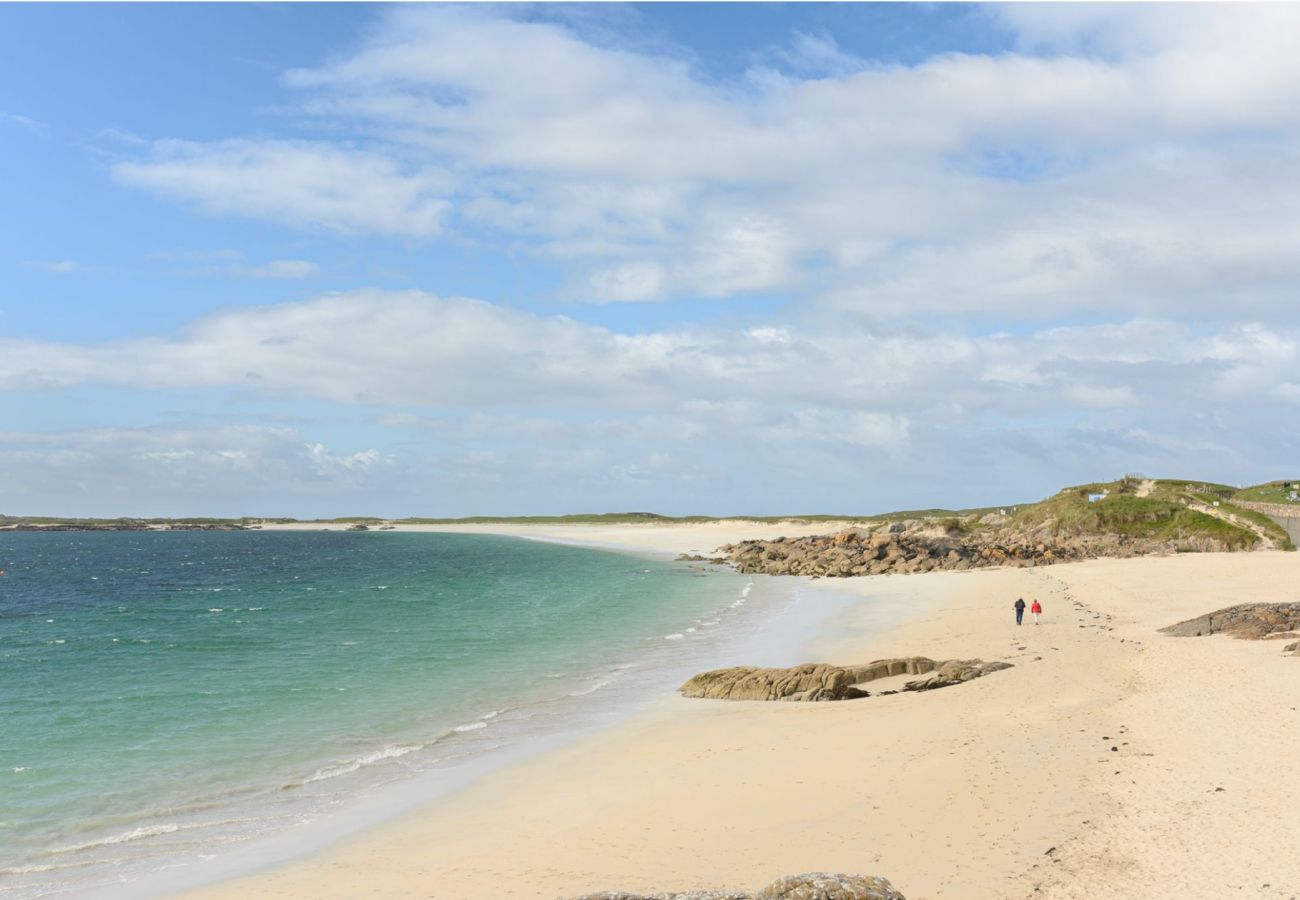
pixel 1271 492
pixel 1157 517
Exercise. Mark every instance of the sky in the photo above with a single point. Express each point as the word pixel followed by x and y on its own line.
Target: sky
pixel 507 259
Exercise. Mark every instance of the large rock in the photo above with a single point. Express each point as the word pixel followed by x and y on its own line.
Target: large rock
pixel 956 671
pixel 819 681
pixel 813 681
pixel 1247 620
pixel 820 886
pixel 810 886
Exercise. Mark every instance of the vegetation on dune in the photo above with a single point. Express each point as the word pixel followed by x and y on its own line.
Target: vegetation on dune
pixel 1165 514
pixel 1271 492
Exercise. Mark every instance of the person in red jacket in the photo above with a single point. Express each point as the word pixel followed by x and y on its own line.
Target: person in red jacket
pixel 1037 610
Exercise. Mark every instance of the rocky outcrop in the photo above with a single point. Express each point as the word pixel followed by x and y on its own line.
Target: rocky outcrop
pixel 819 681
pixel 921 547
pixel 815 681
pixel 1253 621
pixel 810 886
pixel 820 886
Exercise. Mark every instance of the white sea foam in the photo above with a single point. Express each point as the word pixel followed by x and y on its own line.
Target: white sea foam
pixel 597 685
pixel 674 637
pixel 472 726
pixel 135 834
pixel 393 751
pixel 216 609
pixel 19 769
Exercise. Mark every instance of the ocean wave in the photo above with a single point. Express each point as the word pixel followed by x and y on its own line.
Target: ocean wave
pixel 37 868
pixel 597 685
pixel 472 726
pixel 674 637
pixel 392 751
pixel 125 837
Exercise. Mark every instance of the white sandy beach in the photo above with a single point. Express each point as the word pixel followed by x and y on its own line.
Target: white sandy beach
pixel 1110 762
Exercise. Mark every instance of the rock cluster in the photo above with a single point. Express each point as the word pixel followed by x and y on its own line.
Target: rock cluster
pixel 819 681
pixel 1253 621
pixel 916 547
pixel 810 886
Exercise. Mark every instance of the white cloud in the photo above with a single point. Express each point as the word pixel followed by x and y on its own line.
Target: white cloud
pixel 313 186
pixel 177 470
pixel 844 383
pixel 276 268
pixel 23 121
pixel 57 266
pixel 1142 161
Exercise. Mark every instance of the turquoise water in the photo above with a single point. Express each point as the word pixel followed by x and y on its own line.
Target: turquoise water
pixel 164 695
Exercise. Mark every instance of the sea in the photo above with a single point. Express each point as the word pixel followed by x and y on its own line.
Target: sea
pixel 170 702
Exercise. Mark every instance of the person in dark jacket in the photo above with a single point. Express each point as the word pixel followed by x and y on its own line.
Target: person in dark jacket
pixel 1020 609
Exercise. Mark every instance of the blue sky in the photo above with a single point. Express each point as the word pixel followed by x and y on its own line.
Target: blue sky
pixel 420 259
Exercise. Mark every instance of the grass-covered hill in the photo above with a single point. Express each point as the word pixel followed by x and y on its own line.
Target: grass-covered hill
pixel 1187 514
pixel 1282 493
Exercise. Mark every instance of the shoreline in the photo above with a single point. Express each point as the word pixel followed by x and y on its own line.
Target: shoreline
pixel 1004 787
pixel 763 633
pixel 997 788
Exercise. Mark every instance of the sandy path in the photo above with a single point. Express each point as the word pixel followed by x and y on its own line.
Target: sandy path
pixel 1006 787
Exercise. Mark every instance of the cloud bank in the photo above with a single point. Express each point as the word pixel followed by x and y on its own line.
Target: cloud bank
pixel 1125 159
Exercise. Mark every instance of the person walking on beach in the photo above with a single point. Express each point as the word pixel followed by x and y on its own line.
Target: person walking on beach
pixel 1037 610
pixel 1020 609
